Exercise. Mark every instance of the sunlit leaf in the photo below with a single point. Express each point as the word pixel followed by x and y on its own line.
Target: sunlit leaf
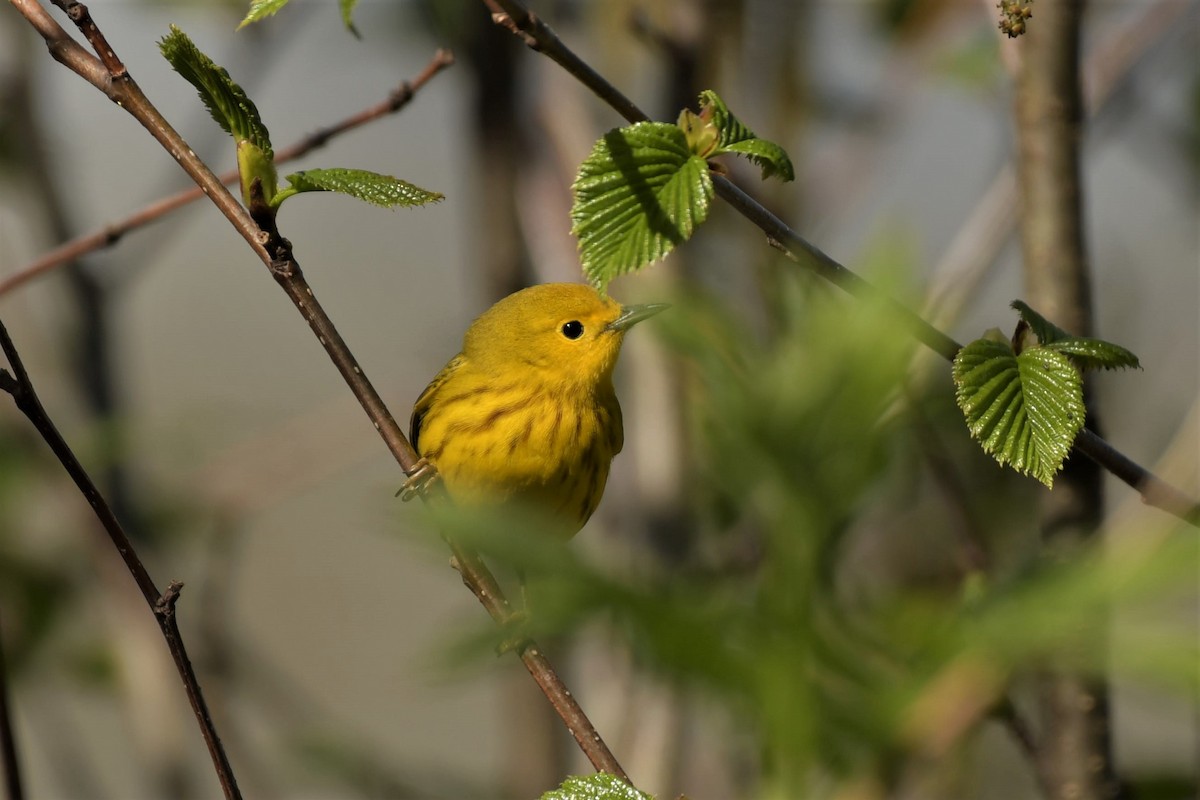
pixel 261 9
pixel 1024 409
pixel 640 193
pixel 380 190
pixel 223 98
pixel 735 137
pixel 598 786
pixel 1085 353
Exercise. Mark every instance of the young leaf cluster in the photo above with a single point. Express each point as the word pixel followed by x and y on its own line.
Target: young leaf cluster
pixel 1024 403
pixel 645 187
pixel 233 110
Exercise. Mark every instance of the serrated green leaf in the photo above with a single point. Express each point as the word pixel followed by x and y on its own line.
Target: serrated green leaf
pixel 1095 353
pixel 260 10
pixel 380 190
pixel 1025 409
pixel 1045 330
pixel 1085 352
pixel 735 137
pixel 640 193
pixel 599 786
pixel 767 155
pixel 223 98
pixel 346 7
pixel 730 127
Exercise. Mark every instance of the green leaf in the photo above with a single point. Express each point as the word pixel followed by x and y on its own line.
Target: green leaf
pixel 1045 330
pixel 734 137
pixel 223 98
pixel 1085 353
pixel 1024 409
pixel 1095 353
pixel 767 155
pixel 261 9
pixel 640 193
pixel 347 9
pixel 598 786
pixel 380 190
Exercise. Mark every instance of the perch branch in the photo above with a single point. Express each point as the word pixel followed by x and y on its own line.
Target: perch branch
pixel 276 253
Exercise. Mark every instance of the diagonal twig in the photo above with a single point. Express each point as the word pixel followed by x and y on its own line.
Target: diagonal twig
pixel 538 36
pixel 112 233
pixel 274 251
pixel 18 384
pixel 10 762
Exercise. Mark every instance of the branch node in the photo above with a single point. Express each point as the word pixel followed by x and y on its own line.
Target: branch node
pixel 165 605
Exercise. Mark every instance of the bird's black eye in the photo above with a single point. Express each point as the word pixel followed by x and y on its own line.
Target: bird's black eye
pixel 572 329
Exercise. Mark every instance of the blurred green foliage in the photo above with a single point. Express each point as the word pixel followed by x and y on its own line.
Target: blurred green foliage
pixel 846 669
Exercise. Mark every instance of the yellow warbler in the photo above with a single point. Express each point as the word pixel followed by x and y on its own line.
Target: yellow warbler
pixel 526 412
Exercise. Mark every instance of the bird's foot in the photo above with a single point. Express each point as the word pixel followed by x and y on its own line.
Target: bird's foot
pixel 423 475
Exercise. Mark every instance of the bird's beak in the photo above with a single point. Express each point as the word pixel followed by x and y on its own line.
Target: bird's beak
pixel 631 315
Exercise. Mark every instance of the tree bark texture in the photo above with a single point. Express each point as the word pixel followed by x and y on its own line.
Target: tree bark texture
pixel 1074 746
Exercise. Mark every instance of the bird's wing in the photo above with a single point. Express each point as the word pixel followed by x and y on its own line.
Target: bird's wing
pixel 421 407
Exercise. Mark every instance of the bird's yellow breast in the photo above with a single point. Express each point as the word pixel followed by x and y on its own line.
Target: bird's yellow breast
pixel 511 438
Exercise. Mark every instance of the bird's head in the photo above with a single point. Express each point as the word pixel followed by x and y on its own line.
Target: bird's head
pixel 568 333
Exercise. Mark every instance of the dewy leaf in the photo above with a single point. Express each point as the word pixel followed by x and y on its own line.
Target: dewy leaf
pixel 261 9
pixel 1024 409
pixel 598 786
pixel 1085 353
pixel 381 190
pixel 1095 353
pixel 737 138
pixel 223 98
pixel 347 9
pixel 640 193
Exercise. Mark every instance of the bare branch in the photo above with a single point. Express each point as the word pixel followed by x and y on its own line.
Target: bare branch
pixel 162 605
pixel 10 763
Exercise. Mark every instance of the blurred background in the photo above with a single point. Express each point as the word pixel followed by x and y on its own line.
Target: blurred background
pixel 319 610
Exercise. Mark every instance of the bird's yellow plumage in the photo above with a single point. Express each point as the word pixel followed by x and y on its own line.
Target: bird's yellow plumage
pixel 526 413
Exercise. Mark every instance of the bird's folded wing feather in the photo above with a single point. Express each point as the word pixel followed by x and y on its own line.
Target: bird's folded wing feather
pixel 425 401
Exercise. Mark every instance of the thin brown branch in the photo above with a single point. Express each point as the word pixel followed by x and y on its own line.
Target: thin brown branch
pixel 538 36
pixel 19 385
pixel 276 253
pixel 110 234
pixel 10 763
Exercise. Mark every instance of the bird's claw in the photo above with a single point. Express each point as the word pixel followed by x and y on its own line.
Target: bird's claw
pixel 424 474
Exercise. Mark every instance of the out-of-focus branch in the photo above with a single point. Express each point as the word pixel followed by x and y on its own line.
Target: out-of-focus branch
pixel 1074 758
pixel 276 253
pixel 10 763
pixel 992 221
pixel 18 384
pixel 513 15
pixel 110 234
